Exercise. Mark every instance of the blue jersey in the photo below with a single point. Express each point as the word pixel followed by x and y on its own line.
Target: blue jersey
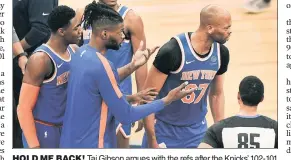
pixel 51 102
pixel 199 72
pixel 120 57
pixel 94 99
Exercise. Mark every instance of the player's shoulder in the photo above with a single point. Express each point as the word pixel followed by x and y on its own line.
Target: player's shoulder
pixel 132 16
pixel 40 56
pixel 224 51
pixel 224 122
pixel 269 120
pixel 40 61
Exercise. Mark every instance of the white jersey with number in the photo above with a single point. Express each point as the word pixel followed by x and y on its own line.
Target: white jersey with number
pixel 243 132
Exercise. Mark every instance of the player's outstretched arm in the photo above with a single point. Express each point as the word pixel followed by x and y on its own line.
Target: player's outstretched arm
pixel 140 57
pixel 116 102
pixel 38 66
pixel 216 98
pixel 136 30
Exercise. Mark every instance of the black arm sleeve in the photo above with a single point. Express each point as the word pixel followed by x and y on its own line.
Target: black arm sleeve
pixel 224 59
pixel 169 57
pixel 38 11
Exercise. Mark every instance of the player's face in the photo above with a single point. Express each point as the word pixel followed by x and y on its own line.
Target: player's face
pixel 115 37
pixel 73 32
pixel 109 2
pixel 222 31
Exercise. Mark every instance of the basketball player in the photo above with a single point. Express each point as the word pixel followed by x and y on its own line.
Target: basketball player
pixel 134 34
pixel 43 93
pixel 201 59
pixel 94 97
pixel 247 129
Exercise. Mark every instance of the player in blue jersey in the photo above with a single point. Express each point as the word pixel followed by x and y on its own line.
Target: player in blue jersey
pixel 201 59
pixel 95 101
pixel 134 34
pixel 44 88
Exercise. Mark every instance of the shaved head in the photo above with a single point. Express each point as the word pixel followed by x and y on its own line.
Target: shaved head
pixel 215 21
pixel 212 15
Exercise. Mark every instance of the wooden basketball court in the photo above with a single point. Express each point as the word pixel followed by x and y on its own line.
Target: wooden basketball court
pixel 252 46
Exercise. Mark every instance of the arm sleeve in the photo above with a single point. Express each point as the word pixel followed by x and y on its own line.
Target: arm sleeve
pixel 211 138
pixel 14 36
pixel 224 56
pixel 116 102
pixel 38 11
pixel 169 57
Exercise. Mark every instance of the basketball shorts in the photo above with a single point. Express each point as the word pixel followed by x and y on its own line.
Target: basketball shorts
pixel 170 136
pixel 48 136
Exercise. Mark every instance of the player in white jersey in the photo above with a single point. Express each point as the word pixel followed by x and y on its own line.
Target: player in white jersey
pixel 247 129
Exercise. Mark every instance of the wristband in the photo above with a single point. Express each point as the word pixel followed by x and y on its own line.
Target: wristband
pixel 20 55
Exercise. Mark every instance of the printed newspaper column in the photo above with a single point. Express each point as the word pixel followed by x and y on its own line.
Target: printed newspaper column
pixel 288 80
pixel 2 83
pixel 5 80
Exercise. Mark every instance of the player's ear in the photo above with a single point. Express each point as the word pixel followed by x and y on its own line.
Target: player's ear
pixel 61 31
pixel 104 35
pixel 238 96
pixel 210 29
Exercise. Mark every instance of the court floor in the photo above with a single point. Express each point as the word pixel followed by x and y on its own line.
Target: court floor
pixel 252 46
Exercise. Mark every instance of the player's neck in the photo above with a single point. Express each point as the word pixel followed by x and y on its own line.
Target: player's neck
pixel 200 42
pixel 97 45
pixel 58 45
pixel 247 110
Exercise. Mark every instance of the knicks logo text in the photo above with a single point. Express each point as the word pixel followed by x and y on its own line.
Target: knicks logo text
pixel 200 89
pixel 198 74
pixel 63 78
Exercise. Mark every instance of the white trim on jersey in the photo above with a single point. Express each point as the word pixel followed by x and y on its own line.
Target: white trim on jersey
pixel 125 13
pixel 120 6
pixel 119 128
pixel 66 60
pixel 218 55
pixel 194 53
pixel 183 56
pixel 72 48
pixel 248 137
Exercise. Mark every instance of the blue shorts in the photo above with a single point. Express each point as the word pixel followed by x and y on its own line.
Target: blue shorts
pixel 178 137
pixel 48 136
pixel 125 130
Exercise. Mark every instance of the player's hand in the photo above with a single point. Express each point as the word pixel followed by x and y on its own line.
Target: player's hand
pixel 145 96
pixel 177 93
pixel 142 56
pixel 22 63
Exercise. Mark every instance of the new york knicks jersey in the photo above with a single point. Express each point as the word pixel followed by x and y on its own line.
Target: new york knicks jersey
pixel 199 72
pixel 120 57
pixel 51 102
